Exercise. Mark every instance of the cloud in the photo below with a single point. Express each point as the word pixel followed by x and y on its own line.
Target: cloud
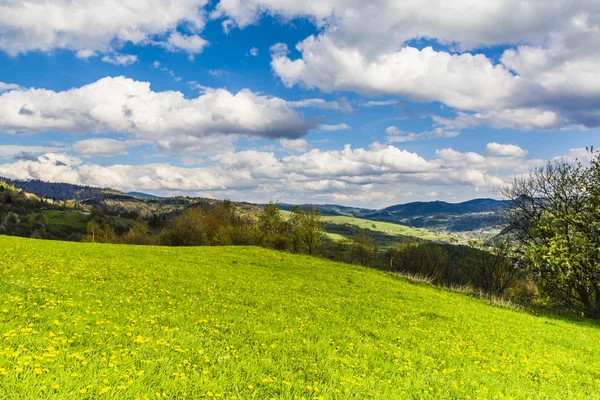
pixel 157 65
pixel 4 87
pixel 338 127
pixel 213 144
pixel 523 119
pixel 377 173
pixel 460 81
pixel 506 150
pixel 100 147
pixel 120 59
pixel 395 135
pixel 193 44
pixel 84 54
pixel 127 106
pixel 298 145
pixel 16 150
pixel 217 72
pixel 373 103
pixel 383 24
pixel 546 79
pixel 96 25
pixel 578 154
pixel 341 104
pixel 26 156
pixel 279 50
pixel 253 52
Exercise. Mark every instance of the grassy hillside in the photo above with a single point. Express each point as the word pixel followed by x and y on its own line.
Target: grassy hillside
pixel 124 322
pixel 385 234
pixel 394 232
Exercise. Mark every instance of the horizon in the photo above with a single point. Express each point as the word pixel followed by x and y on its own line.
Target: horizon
pixel 132 193
pixel 368 105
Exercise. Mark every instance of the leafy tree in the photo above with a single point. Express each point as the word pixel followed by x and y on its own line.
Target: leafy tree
pixel 491 268
pixel 92 229
pixel 107 234
pixel 428 261
pixel 185 230
pixel 41 219
pixel 307 229
pixel 363 251
pixel 554 222
pixel 13 218
pixel 138 234
pixel 273 229
pixel 270 221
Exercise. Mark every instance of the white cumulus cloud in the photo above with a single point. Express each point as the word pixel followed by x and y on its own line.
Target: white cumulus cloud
pixel 95 25
pixel 502 150
pixel 123 105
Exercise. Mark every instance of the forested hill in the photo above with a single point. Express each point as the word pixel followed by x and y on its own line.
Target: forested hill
pixel 58 191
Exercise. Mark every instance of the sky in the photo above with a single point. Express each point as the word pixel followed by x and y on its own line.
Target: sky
pixel 332 101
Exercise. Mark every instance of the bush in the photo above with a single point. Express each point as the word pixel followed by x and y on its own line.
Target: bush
pixel 185 230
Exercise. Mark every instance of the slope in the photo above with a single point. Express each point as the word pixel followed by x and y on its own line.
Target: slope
pixel 384 234
pixel 124 322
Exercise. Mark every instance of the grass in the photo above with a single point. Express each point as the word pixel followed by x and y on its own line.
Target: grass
pixel 71 221
pixel 70 218
pixel 385 234
pixel 94 321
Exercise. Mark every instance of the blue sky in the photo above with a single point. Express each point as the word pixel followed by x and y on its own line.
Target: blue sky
pixel 331 101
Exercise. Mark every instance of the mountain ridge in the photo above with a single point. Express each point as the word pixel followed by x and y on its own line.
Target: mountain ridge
pixel 469 215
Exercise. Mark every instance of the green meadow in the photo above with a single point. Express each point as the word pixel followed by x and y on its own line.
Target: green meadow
pixel 92 321
pixel 388 228
pixel 385 234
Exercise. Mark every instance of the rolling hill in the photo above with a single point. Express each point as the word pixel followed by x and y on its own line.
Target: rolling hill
pixel 453 217
pixel 128 322
pixel 468 216
pixel 384 234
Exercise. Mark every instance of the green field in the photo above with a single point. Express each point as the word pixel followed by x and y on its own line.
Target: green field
pixel 385 234
pixel 69 218
pixel 388 228
pixel 71 221
pixel 94 321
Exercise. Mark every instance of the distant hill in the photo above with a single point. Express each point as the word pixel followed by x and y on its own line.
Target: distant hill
pixel 117 203
pixel 143 195
pixel 457 217
pixel 452 217
pixel 333 210
pixel 58 191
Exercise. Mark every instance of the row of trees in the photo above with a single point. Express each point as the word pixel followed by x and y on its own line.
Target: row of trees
pixel 489 268
pixel 222 225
